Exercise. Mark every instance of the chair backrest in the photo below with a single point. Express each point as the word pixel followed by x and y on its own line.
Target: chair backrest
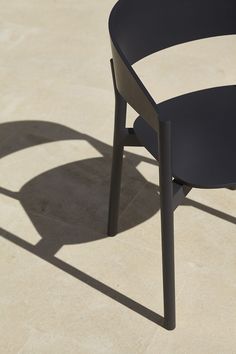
pixel 141 27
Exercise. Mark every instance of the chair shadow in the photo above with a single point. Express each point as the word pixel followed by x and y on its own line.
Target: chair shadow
pixel 68 204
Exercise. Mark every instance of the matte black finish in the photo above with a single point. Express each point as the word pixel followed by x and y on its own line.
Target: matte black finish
pixel 203 139
pixel 141 27
pixel 117 159
pixel 191 136
pixel 167 223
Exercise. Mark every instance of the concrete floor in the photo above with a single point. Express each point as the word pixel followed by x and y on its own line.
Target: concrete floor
pixel 66 287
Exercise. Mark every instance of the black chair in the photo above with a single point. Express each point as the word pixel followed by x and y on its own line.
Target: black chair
pixel 193 136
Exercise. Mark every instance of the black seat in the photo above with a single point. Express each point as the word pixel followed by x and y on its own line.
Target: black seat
pixel 192 136
pixel 203 136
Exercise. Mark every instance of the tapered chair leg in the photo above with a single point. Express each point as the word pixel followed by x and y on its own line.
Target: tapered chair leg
pixel 168 266
pixel 167 224
pixel 117 159
pixel 115 186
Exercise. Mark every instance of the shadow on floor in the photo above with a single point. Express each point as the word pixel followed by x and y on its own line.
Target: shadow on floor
pixel 68 204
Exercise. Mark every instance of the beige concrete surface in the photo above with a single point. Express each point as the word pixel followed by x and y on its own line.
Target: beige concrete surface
pixel 65 287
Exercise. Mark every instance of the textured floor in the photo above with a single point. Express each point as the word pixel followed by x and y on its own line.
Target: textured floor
pixel 64 286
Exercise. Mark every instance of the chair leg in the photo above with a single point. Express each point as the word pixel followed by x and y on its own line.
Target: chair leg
pixel 168 267
pixel 167 224
pixel 117 161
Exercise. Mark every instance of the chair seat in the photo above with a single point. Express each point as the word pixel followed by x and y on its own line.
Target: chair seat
pixel 203 130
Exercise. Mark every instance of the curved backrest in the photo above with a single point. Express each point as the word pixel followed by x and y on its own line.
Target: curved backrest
pixel 141 27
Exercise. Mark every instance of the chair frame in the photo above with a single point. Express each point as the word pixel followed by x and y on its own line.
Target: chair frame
pixel 128 88
pixel 172 194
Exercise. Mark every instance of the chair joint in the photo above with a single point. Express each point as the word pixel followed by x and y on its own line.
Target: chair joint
pixel 180 191
pixel 130 138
